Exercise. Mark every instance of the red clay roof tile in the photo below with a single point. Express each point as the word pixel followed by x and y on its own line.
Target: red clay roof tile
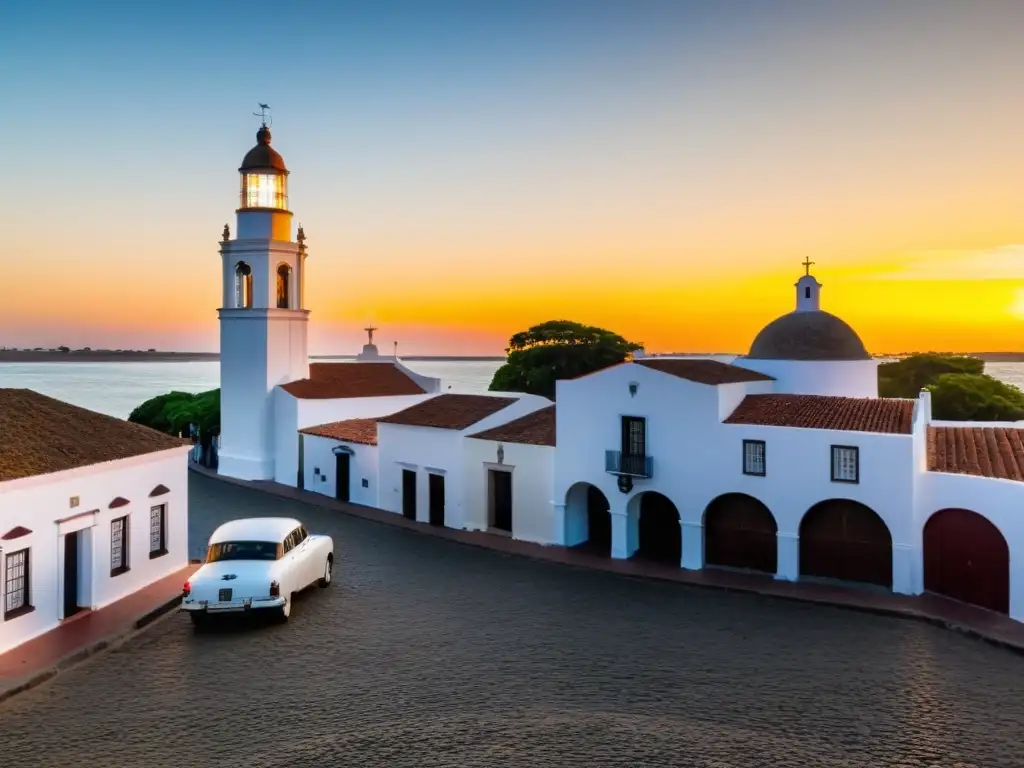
pixel 853 414
pixel 363 431
pixel 449 411
pixel 328 381
pixel 983 451
pixel 537 428
pixel 711 372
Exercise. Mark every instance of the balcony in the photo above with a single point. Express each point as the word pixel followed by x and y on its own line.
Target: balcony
pixel 618 463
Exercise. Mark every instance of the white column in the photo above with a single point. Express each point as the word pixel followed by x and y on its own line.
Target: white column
pixel 1016 588
pixel 789 556
pixel 693 545
pixel 558 532
pixel 625 534
pixel 903 562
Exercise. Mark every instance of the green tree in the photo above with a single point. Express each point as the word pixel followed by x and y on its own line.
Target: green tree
pixel 907 377
pixel 175 411
pixel 557 349
pixel 975 397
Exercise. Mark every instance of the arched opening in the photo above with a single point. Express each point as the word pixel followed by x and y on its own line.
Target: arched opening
pixel 284 283
pixel 739 532
pixel 243 285
pixel 588 521
pixel 967 558
pixel 843 539
pixel 660 536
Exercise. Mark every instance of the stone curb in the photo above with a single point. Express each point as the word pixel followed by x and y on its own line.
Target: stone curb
pixel 878 610
pixel 77 657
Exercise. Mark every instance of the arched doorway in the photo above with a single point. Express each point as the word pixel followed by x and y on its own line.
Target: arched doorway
pixel 843 539
pixel 967 558
pixel 588 521
pixel 660 537
pixel 243 285
pixel 284 279
pixel 739 532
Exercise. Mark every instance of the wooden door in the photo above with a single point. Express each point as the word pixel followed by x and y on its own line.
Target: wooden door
pixel 409 493
pixel 843 539
pixel 739 532
pixel 501 503
pixel 436 493
pixel 966 558
pixel 70 574
pixel 342 476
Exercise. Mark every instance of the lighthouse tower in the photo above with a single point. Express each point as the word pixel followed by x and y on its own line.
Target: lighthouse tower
pixel 263 318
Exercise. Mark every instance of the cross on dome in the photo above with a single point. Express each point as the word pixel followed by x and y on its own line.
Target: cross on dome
pixel 807 265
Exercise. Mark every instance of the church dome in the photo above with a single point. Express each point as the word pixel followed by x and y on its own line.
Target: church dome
pixel 262 157
pixel 808 335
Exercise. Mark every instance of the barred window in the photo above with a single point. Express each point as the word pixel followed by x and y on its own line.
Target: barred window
pixel 845 464
pixel 16 596
pixel 753 457
pixel 158 530
pixel 118 545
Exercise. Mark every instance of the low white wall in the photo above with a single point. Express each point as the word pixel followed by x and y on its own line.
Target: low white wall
pixel 426 451
pixel 846 378
pixel 532 468
pixel 38 503
pixel 319 455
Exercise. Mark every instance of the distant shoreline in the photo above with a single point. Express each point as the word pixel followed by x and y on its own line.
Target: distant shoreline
pixel 142 356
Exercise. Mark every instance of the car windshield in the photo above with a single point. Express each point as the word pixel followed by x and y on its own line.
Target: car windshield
pixel 242 550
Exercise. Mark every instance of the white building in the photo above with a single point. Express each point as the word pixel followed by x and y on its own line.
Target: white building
pixel 92 508
pixel 784 461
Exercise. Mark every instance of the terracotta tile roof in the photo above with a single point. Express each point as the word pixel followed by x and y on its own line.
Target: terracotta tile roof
pixel 537 428
pixel 449 411
pixel 712 372
pixel 853 414
pixel 983 451
pixel 362 431
pixel 328 381
pixel 39 435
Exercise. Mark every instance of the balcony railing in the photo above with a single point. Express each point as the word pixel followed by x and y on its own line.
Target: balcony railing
pixel 618 463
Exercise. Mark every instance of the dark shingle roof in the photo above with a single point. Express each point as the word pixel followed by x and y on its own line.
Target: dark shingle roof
pixel 328 381
pixel 808 335
pixel 712 372
pixel 853 414
pixel 40 435
pixel 349 431
pixel 537 428
pixel 983 451
pixel 449 411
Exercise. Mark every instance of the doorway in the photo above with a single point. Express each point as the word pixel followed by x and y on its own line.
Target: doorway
pixel 436 493
pixel 342 476
pixel 501 500
pixel 409 494
pixel 71 606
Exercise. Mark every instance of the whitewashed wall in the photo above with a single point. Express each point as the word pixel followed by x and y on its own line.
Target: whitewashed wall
pixel 38 503
pixel 532 468
pixel 845 378
pixel 319 455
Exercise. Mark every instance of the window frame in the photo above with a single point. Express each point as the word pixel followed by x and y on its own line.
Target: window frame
pixel 26 605
pixel 626 435
pixel 834 455
pixel 162 549
pixel 125 565
pixel 764 458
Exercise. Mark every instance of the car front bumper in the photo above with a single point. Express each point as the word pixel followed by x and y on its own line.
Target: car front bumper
pixel 231 606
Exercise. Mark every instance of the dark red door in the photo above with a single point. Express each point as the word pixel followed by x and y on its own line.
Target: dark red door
pixel 966 558
pixel 739 532
pixel 843 539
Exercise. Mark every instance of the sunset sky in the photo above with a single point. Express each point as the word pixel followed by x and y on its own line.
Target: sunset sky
pixel 466 169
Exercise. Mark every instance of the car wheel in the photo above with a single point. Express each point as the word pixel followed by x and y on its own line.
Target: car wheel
pixel 286 610
pixel 325 580
pixel 198 619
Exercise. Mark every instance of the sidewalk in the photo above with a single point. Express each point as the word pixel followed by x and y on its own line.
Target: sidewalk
pixel 978 622
pixel 81 636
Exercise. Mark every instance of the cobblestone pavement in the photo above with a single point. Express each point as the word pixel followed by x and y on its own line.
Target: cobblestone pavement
pixel 428 653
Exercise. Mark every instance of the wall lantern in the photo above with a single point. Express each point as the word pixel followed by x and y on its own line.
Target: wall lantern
pixel 633 387
pixel 625 483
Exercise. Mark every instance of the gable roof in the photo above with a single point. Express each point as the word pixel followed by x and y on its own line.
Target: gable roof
pixel 710 372
pixel 983 451
pixel 328 381
pixel 853 414
pixel 362 431
pixel 41 435
pixel 537 428
pixel 449 411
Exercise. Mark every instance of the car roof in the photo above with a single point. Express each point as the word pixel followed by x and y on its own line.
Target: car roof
pixel 255 529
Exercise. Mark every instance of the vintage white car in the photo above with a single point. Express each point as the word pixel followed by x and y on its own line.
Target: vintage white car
pixel 257 564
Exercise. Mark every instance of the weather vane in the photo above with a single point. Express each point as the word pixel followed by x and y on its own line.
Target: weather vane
pixel 262 114
pixel 807 265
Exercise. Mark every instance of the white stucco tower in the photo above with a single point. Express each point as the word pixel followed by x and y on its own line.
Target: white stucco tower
pixel 263 318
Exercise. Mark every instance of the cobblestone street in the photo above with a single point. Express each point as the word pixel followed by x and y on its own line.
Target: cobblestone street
pixel 428 653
